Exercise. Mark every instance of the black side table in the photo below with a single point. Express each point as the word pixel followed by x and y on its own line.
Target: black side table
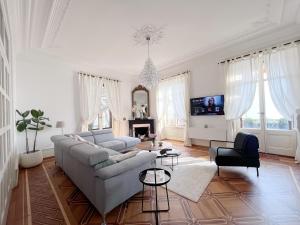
pixel 155 177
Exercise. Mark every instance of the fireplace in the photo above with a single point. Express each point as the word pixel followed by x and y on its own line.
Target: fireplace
pixel 141 130
pixel 139 127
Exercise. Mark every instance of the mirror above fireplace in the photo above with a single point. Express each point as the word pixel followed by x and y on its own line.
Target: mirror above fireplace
pixel 140 103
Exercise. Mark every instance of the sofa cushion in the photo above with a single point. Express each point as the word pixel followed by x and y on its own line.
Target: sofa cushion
pixel 103 164
pixel 129 141
pixel 78 138
pixel 87 136
pixel 102 135
pixel 121 157
pixel 109 151
pixel 88 154
pixel 114 144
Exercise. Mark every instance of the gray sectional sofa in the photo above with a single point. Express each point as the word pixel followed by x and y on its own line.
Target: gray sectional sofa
pixel 104 182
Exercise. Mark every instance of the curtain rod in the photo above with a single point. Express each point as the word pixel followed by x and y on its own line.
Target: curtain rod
pixel 92 75
pixel 184 72
pixel 258 51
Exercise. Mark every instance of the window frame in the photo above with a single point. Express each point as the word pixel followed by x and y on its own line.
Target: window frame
pixel 99 116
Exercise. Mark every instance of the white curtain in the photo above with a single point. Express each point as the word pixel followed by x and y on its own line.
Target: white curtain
pixel 241 78
pixel 283 69
pixel 90 89
pixel 112 90
pixel 173 104
pixel 298 136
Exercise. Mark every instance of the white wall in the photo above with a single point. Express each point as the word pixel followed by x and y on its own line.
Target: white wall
pixel 206 77
pixel 47 83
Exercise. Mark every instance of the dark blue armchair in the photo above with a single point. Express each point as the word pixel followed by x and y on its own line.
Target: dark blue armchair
pixel 243 153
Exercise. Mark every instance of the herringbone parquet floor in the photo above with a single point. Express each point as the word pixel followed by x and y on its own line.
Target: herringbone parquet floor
pixel 46 196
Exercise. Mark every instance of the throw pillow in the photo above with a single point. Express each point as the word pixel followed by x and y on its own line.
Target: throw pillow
pixel 121 157
pixel 104 164
pixel 78 138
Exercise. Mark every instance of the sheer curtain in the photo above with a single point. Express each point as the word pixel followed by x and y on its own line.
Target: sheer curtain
pixel 90 91
pixel 112 90
pixel 173 104
pixel 283 69
pixel 241 79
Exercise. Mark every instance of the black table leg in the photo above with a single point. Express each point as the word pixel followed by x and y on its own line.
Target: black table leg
pixel 156 206
pixel 143 198
pixel 167 197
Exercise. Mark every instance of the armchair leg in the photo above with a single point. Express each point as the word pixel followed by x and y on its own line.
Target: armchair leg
pixel 218 171
pixel 257 173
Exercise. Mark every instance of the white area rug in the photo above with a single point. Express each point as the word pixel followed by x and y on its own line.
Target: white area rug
pixel 190 177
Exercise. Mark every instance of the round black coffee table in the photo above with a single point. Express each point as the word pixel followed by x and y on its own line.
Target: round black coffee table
pixel 155 177
pixel 169 154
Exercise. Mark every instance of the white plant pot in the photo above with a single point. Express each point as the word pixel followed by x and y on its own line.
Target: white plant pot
pixel 31 159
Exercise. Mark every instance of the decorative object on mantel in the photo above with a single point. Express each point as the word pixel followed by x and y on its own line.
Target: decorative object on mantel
pixel 140 103
pixel 36 123
pixel 148 35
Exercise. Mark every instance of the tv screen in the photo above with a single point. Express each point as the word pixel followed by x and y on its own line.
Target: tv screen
pixel 209 105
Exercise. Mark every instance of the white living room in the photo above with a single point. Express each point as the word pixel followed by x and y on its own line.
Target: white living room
pixel 149 112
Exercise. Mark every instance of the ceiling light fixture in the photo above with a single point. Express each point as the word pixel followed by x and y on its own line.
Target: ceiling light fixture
pixel 148 35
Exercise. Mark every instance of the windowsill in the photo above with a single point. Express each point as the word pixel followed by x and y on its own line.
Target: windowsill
pixel 101 129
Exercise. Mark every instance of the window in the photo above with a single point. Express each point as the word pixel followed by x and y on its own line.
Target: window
pixel 263 110
pixel 251 119
pixel 274 120
pixel 104 119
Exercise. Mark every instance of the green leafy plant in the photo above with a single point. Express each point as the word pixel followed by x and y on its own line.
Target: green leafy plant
pixel 39 122
pixel 22 125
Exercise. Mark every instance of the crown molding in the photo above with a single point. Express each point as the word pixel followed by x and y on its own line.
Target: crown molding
pixel 58 11
pixel 289 31
pixel 281 16
pixel 34 34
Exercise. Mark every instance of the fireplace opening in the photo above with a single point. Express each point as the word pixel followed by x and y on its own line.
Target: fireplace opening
pixel 141 132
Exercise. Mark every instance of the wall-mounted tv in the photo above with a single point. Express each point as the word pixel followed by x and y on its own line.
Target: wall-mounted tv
pixel 209 105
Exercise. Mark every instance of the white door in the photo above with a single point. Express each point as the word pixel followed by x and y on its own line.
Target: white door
pixel 275 133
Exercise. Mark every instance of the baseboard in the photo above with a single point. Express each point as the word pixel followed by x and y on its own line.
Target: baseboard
pixel 198 142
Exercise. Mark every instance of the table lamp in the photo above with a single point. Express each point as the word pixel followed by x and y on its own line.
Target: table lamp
pixel 60 124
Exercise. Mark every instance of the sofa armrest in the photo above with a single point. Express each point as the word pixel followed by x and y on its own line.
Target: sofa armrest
pixel 126 165
pixel 57 138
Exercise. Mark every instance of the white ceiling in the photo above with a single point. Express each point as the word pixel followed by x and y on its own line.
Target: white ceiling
pixel 99 32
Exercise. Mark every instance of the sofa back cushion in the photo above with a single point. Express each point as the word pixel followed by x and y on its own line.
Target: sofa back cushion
pixel 103 135
pixel 87 136
pixel 88 155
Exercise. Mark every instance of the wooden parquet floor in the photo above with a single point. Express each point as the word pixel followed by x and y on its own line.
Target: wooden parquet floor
pixel 46 196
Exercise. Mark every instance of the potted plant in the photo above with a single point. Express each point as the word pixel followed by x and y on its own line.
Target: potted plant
pixel 36 123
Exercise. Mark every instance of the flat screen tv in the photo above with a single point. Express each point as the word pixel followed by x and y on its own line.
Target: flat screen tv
pixel 209 105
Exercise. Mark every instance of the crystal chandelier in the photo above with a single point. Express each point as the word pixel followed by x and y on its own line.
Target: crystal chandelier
pixel 148 35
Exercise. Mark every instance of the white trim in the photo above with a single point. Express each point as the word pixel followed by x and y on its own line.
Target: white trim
pixel 143 125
